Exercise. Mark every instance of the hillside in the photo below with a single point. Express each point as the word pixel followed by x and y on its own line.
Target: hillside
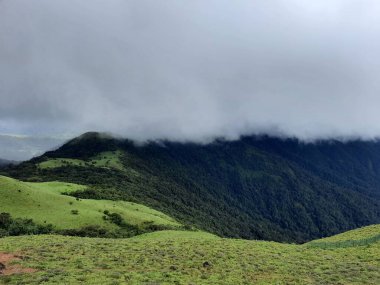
pixel 45 204
pixel 357 234
pixel 359 237
pixel 255 187
pixel 175 257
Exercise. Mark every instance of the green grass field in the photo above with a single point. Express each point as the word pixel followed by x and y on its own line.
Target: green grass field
pixel 175 257
pixel 167 257
pixel 109 159
pixel 357 234
pixel 44 203
pixel 359 237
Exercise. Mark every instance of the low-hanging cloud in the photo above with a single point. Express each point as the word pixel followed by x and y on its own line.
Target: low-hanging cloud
pixel 190 70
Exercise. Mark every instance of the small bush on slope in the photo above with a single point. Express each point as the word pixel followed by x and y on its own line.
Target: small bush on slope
pixel 17 227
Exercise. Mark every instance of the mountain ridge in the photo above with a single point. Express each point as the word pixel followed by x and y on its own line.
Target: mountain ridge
pixel 256 187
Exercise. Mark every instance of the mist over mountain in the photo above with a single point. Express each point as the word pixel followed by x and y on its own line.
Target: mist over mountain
pixel 255 187
pixel 5 162
pixel 189 142
pixel 190 71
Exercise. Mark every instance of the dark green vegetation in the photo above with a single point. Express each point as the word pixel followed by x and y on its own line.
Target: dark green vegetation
pixel 17 227
pixel 4 162
pixel 255 188
pixel 176 257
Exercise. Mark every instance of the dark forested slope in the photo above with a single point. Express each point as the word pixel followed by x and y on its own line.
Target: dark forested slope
pixel 256 187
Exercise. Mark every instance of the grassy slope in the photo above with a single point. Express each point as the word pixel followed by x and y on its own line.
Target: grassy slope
pixel 359 237
pixel 357 234
pixel 43 202
pixel 173 257
pixel 108 159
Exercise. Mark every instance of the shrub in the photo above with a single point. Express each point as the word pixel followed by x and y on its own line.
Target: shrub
pixel 116 218
pixel 5 220
pixel 16 227
pixel 87 231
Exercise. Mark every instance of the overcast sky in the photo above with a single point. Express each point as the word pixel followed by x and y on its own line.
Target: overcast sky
pixel 191 69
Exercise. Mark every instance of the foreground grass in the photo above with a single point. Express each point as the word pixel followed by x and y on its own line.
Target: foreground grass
pixel 44 203
pixel 174 257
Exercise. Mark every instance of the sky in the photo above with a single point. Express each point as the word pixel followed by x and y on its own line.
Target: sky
pixel 187 70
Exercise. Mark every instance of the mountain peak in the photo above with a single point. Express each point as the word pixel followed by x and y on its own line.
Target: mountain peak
pixel 94 135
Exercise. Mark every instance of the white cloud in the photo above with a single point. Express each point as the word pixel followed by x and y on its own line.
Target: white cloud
pixel 190 70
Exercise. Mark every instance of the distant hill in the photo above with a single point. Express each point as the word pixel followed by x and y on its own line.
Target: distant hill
pixel 4 162
pixel 20 148
pixel 255 187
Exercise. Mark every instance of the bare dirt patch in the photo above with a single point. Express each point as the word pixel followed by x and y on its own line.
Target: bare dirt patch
pixel 7 268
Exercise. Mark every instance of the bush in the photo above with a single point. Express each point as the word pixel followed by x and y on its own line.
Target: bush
pixel 74 212
pixel 88 231
pixel 117 219
pixel 16 227
pixel 3 233
pixel 5 220
pixel 114 218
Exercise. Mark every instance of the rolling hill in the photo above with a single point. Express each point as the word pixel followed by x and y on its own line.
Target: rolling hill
pixel 180 257
pixel 45 204
pixel 255 188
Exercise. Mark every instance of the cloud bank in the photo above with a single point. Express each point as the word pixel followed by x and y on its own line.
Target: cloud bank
pixel 190 70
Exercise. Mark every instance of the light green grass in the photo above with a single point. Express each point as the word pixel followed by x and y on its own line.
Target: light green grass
pixel 43 203
pixel 109 159
pixel 359 237
pixel 175 235
pixel 174 257
pixel 357 234
pixel 59 162
pixel 56 187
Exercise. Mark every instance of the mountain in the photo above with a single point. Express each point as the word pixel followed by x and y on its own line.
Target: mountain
pixel 256 187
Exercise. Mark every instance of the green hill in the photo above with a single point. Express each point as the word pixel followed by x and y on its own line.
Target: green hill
pixel 44 203
pixel 359 237
pixel 175 257
pixel 357 234
pixel 253 188
pixel 110 159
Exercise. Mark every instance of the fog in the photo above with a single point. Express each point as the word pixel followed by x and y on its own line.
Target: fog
pixel 190 70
